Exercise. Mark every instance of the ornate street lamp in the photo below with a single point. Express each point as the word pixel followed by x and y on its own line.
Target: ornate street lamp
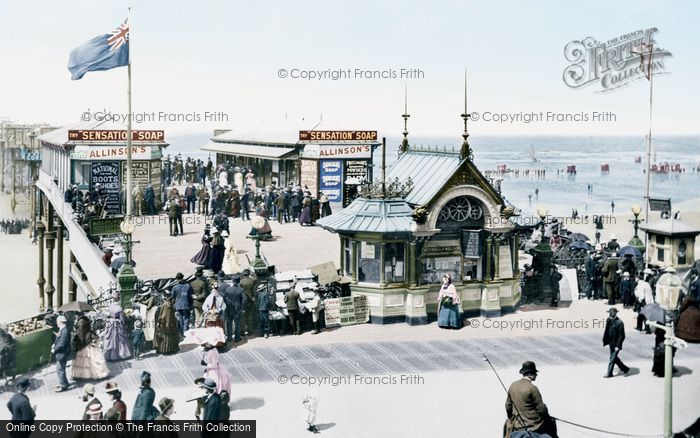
pixel 668 290
pixel 636 241
pixel 542 260
pixel 126 277
pixel 259 265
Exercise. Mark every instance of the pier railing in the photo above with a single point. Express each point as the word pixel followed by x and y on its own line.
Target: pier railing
pixel 93 274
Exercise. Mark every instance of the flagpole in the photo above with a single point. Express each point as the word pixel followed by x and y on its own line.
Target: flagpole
pixel 128 132
pixel 648 179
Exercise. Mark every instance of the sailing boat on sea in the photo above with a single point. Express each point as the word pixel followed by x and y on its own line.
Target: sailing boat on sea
pixel 533 158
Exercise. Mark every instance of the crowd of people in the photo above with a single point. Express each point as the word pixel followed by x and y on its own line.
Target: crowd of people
pixel 13 226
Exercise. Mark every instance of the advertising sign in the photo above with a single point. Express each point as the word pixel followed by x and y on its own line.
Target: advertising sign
pixel 107 174
pixel 337 151
pixel 332 179
pixel 114 135
pixel 337 135
pixel 139 173
pixel 309 175
pixel 92 152
pixel 356 173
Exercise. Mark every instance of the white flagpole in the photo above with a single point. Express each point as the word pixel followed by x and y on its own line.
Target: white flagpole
pixel 648 179
pixel 128 132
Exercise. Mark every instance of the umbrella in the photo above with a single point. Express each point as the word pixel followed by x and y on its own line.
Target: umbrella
pixel 578 236
pixel 654 312
pixel 76 306
pixel 629 250
pixel 578 244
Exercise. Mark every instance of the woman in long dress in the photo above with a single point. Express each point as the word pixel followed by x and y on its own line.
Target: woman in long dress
pixel 116 343
pixel 235 204
pixel 448 304
pixel 231 264
pixel 213 309
pixel 167 335
pixel 202 256
pixel 305 216
pixel 250 180
pixel 216 256
pixel 216 371
pixel 89 363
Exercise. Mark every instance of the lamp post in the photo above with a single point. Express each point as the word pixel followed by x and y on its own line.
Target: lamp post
pixel 636 241
pixel 668 289
pixel 542 260
pixel 259 265
pixel 126 277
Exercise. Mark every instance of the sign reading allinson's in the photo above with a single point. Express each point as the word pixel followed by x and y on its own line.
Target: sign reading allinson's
pixel 337 135
pixel 114 135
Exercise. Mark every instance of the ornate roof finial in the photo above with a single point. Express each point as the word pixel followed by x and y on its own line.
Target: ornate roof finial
pixel 466 151
pixel 404 142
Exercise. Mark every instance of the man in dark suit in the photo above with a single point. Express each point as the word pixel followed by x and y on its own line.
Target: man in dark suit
pixel 524 406
pixel 235 301
pixel 591 265
pixel 610 268
pixel 291 298
pixel 614 336
pixel 150 196
pixel 19 406
pixel 61 350
pixel 212 403
pixel 182 296
pixel 200 290
pixel 190 197
pixel 249 283
pixel 173 209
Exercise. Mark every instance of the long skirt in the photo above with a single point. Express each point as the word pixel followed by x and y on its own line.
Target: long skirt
pixel 305 217
pixel 116 344
pixel 202 256
pixel 449 316
pixel 89 363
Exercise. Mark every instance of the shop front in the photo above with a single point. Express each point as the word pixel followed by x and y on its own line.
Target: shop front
pixel 337 168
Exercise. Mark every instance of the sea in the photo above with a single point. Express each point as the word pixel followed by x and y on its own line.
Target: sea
pixel 559 192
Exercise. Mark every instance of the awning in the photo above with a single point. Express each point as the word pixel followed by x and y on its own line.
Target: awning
pixel 248 150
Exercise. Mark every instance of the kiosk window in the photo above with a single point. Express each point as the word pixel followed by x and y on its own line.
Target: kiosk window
pixel 435 267
pixel 369 262
pixel 394 262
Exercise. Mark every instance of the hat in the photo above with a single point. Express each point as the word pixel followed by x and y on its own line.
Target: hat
pixel 612 311
pixel 625 274
pixel 199 380
pixel 613 236
pixel 23 383
pixel 89 388
pixel 61 319
pixel 138 324
pixel 648 271
pixel 145 375
pixel 528 368
pixel 165 403
pixel 111 387
pixel 209 384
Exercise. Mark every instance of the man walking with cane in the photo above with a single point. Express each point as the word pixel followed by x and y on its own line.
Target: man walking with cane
pixel 614 336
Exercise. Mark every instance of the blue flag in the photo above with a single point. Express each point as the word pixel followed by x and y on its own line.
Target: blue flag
pixel 104 52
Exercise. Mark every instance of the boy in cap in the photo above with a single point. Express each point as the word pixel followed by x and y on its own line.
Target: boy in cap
pixel 137 338
pixel 614 336
pixel 167 409
pixel 212 402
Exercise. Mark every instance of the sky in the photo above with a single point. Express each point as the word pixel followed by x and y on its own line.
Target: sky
pixel 225 57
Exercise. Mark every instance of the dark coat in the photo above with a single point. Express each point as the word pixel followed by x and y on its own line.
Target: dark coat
pixel 291 298
pixel 20 408
pixel 591 266
pixel 143 408
pixel 614 333
pixel 199 290
pixel 173 210
pixel 248 285
pixel 527 400
pixel 182 296
pixel 263 300
pixel 61 346
pixel 610 270
pixel 235 300
pixel 211 408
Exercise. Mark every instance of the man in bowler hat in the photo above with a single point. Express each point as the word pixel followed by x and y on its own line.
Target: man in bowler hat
pixel 526 411
pixel 614 336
